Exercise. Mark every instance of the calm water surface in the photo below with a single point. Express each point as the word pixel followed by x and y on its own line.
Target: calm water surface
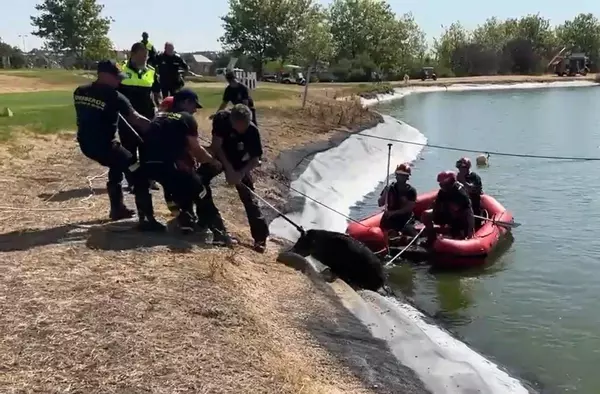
pixel 535 308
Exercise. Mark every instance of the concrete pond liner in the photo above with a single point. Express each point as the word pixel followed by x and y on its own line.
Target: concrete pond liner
pixel 339 172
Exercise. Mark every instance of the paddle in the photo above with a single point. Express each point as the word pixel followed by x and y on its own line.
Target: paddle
pixel 405 248
pixel 387 172
pixel 500 223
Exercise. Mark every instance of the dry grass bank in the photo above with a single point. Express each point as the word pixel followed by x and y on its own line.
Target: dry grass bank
pixel 89 306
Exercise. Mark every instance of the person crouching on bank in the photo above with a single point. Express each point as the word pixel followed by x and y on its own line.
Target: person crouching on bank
pixel 171 150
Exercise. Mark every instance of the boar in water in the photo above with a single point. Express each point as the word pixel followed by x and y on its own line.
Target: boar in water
pixel 347 258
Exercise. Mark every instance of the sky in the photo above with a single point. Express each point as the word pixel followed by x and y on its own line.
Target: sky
pixel 194 25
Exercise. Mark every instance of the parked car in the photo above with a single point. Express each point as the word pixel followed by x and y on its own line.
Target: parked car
pixel 326 77
pixel 270 78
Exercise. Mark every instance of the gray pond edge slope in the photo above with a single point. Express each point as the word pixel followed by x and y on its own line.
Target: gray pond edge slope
pixel 369 357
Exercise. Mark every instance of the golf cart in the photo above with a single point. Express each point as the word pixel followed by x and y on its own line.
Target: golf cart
pixel 290 74
pixel 428 73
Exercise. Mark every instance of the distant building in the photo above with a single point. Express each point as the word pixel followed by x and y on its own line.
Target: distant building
pixel 198 63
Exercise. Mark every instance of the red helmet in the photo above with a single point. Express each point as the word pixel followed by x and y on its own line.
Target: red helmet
pixel 446 177
pixel 463 162
pixel 403 169
pixel 166 104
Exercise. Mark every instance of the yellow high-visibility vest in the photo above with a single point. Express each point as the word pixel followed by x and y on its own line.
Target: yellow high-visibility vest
pixel 149 45
pixel 143 79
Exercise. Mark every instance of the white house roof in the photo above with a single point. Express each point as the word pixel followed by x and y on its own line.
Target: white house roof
pixel 201 59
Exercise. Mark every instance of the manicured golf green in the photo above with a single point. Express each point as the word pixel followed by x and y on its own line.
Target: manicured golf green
pixel 52 111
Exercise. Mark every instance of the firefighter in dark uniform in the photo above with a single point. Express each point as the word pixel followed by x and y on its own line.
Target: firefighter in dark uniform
pixel 142 88
pixel 150 48
pixel 97 107
pixel 236 143
pixel 171 149
pixel 237 93
pixel 170 70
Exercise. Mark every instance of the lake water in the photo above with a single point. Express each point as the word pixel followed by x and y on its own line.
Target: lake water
pixel 535 308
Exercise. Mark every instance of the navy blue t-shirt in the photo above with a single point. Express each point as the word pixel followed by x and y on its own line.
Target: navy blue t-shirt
pixel 97 108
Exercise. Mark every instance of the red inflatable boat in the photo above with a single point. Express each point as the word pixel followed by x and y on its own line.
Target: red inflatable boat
pixel 444 251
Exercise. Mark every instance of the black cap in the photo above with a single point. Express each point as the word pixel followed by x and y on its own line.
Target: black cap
pixel 230 75
pixel 144 34
pixel 111 67
pixel 186 94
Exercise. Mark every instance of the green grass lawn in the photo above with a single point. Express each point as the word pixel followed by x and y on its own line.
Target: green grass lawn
pixel 52 111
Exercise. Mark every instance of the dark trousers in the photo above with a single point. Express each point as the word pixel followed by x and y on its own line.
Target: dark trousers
pixel 130 142
pixel 169 89
pixel 254 116
pixel 399 222
pixel 258 225
pixel 118 160
pixel 115 156
pixel 476 204
pixel 184 187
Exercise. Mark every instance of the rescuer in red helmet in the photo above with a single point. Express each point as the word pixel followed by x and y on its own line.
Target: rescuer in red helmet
pixel 399 200
pixel 472 182
pixel 452 208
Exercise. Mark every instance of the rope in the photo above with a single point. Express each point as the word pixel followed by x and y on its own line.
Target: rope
pixel 482 151
pixel 323 205
pixel 89 180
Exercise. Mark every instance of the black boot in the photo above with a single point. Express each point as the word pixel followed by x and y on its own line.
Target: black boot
pixel 118 210
pixel 220 235
pixel 151 226
pixel 147 221
pixel 186 221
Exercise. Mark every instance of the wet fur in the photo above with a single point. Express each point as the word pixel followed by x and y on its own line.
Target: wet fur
pixel 347 258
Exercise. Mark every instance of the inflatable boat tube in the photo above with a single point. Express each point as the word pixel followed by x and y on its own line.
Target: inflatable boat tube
pixel 444 251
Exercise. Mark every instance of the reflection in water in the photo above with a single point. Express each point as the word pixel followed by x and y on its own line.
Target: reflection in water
pixel 402 277
pixel 451 291
pixel 453 296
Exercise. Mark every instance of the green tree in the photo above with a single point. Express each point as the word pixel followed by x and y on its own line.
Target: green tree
pixel 265 29
pixel 538 31
pixel 361 27
pixel 14 55
pixel 368 35
pixel 293 19
pixel 100 48
pixel 412 44
pixel 493 34
pixel 453 37
pixel 314 43
pixel 248 26
pixel 582 34
pixel 74 26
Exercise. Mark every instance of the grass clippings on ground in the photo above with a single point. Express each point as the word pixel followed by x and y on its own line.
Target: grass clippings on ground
pixel 92 307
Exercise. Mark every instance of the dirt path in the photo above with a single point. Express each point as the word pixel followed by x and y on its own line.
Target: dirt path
pixel 15 84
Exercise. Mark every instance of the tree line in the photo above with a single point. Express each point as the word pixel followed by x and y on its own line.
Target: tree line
pixel 362 38
pixel 355 40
